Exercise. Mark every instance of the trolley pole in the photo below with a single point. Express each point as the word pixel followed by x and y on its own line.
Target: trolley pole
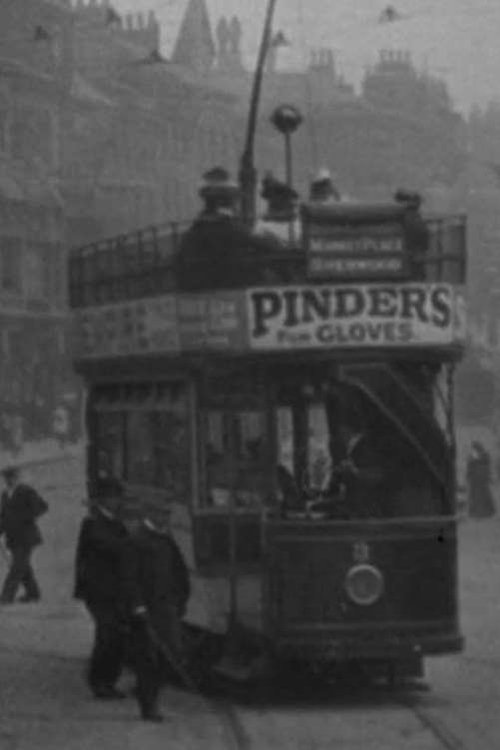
pixel 248 172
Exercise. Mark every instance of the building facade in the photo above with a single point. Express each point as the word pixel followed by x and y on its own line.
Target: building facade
pixel 35 377
pixel 100 135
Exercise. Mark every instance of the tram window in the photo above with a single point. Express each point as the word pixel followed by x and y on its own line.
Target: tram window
pixel 236 458
pixel 110 444
pixel 303 447
pixel 318 453
pixel 140 448
pixel 397 461
pixel 285 438
pixel 171 454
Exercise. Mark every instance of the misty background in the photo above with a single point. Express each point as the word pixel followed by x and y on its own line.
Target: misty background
pixel 457 39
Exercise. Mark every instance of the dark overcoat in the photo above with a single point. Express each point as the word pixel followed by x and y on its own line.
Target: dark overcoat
pixel 157 578
pixel 18 515
pixel 98 564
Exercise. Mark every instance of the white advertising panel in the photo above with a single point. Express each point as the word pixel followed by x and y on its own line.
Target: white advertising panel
pixel 361 315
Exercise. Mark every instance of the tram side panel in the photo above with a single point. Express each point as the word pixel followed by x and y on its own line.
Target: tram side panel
pixel 370 591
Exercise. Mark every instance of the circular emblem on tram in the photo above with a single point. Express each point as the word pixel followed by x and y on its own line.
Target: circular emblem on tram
pixel 364 584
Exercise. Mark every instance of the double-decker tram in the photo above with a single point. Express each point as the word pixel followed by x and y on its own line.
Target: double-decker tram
pixel 291 400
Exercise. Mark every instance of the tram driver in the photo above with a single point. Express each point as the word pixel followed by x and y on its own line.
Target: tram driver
pixel 357 472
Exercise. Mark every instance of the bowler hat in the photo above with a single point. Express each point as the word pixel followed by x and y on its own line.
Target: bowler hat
pixel 217 183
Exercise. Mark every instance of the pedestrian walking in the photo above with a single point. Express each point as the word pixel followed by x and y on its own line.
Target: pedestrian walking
pixel 98 583
pixel 21 506
pixel 158 585
pixel 481 502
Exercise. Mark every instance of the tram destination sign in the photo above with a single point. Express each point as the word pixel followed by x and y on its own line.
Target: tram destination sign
pixel 366 250
pixel 369 315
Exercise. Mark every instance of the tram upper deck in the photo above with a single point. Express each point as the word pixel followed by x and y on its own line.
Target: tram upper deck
pixel 341 243
pixel 346 274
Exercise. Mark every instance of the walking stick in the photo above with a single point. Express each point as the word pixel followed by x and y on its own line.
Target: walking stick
pixel 166 651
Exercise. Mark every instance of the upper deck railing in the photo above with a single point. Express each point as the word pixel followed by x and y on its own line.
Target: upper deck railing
pixel 143 263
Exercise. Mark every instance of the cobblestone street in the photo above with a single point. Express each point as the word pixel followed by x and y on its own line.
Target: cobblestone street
pixel 44 701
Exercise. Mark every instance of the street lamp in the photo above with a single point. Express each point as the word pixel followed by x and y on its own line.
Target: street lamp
pixel 287 119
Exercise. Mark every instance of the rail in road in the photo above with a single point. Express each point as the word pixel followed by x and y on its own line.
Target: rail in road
pixel 404 720
pixel 388 719
pixel 436 726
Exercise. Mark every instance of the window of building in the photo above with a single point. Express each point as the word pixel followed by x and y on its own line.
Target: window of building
pixel 37 264
pixel 11 255
pixel 4 126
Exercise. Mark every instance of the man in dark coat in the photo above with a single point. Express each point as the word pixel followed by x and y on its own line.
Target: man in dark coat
pixel 99 584
pixel 21 506
pixel 159 588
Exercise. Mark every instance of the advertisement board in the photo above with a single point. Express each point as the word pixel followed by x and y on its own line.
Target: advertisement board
pixel 276 319
pixel 369 315
pixel 212 321
pixel 166 324
pixel 135 327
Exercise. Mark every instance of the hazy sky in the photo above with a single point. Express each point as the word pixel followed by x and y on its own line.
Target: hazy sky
pixel 455 39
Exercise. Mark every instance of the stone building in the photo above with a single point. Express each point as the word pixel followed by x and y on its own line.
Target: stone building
pixel 35 375
pixel 140 131
pixel 373 140
pixel 100 135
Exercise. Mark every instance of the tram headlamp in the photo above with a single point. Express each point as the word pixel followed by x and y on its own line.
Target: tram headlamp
pixel 364 584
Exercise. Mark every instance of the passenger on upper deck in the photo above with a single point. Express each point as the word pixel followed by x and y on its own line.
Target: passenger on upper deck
pixel 281 220
pixel 219 251
pixel 219 193
pixel 322 189
pixel 417 235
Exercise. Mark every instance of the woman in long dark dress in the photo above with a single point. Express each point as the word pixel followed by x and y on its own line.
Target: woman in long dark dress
pixel 481 503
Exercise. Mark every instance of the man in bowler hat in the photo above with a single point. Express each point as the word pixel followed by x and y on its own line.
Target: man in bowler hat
pixel 99 584
pixel 159 588
pixel 20 508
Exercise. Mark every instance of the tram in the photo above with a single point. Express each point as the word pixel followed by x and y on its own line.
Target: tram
pixel 292 403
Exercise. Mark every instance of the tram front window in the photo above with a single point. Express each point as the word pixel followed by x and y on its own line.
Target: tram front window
pixel 237 458
pixel 350 452
pixel 304 462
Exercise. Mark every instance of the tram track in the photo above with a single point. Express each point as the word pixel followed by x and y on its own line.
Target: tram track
pixel 229 714
pixel 429 721
pixel 232 725
pixel 238 737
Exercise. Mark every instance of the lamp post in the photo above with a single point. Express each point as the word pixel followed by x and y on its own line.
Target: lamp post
pixel 287 119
